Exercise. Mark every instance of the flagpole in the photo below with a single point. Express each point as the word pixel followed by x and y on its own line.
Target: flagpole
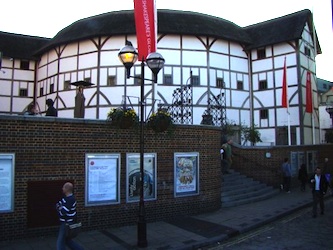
pixel 315 76
pixel 289 132
pixel 285 99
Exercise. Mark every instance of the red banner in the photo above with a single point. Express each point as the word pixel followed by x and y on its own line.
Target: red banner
pixel 309 105
pixel 284 86
pixel 144 13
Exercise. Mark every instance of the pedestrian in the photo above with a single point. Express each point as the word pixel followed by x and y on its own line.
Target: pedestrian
pixel 303 176
pixel 286 171
pixel 31 109
pixel 227 156
pixel 51 111
pixel 319 188
pixel 66 208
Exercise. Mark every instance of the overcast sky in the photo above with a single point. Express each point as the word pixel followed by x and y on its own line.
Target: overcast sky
pixel 46 18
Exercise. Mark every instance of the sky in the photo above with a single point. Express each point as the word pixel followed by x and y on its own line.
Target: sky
pixel 46 18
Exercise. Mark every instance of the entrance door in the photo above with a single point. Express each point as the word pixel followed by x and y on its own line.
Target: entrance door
pixel 42 198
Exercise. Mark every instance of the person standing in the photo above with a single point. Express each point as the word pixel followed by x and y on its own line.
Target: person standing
pixel 319 188
pixel 227 155
pixel 79 104
pixel 66 208
pixel 286 171
pixel 303 176
pixel 51 111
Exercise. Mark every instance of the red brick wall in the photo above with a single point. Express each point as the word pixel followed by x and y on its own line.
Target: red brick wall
pixel 49 149
pixel 252 161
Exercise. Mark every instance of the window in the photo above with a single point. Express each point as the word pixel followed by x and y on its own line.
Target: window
pixel 41 91
pixel 23 92
pixel 51 88
pixel 240 85
pixel 262 84
pixel 137 80
pixel 195 80
pixel 307 51
pixel 167 79
pixel 67 85
pixel 112 81
pixel 24 65
pixel 264 114
pixel 220 82
pixel 261 53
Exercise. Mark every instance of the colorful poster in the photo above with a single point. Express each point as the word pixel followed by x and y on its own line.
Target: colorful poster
pixel 7 183
pixel 102 179
pixel 186 174
pixel 133 177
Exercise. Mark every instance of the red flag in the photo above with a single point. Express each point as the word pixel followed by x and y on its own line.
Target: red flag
pixel 309 105
pixel 144 13
pixel 284 86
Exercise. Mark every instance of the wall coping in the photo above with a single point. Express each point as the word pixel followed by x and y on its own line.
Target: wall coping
pixel 82 120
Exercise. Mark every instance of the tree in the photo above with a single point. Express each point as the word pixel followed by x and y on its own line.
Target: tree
pixel 250 134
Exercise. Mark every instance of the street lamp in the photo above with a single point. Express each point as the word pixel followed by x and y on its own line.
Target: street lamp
pixel 128 56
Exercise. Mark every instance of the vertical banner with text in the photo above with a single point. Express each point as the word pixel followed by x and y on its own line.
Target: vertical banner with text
pixel 144 13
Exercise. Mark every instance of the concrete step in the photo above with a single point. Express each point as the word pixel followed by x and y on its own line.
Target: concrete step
pixel 241 185
pixel 249 188
pixel 265 196
pixel 238 189
pixel 245 195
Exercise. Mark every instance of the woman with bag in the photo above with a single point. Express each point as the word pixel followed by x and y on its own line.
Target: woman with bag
pixel 66 208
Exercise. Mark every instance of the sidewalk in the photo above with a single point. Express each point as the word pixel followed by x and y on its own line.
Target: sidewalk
pixel 185 233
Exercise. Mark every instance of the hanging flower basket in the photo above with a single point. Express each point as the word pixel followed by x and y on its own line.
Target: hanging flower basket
pixel 122 118
pixel 160 121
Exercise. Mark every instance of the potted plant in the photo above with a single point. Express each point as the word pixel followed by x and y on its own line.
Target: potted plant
pixel 123 118
pixel 160 121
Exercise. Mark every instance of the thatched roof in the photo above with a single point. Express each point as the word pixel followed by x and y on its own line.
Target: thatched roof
pixel 20 46
pixel 282 29
pixel 278 30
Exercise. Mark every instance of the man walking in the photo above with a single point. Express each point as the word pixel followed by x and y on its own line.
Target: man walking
pixel 286 171
pixel 66 208
pixel 319 188
pixel 227 155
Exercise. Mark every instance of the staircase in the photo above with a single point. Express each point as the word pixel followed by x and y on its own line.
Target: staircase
pixel 238 189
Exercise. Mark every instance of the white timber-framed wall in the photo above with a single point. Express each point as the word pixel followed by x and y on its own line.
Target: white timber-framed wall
pixel 210 60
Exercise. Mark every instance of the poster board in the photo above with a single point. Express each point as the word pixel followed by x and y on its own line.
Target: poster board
pixel 186 174
pixel 7 179
pixel 133 177
pixel 102 185
pixel 296 160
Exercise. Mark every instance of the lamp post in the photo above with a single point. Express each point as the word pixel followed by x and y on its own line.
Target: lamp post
pixel 128 56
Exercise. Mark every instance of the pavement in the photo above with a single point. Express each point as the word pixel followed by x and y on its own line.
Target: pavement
pixel 192 232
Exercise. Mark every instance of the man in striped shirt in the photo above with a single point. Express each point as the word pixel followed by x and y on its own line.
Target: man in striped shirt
pixel 66 208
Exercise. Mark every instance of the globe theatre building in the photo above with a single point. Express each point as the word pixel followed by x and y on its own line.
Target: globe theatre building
pixel 212 67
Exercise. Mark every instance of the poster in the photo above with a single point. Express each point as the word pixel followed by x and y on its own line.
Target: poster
pixel 133 177
pixel 186 171
pixel 102 179
pixel 7 163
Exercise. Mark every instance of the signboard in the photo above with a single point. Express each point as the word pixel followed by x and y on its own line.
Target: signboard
pixel 7 175
pixel 102 179
pixel 186 174
pixel 296 160
pixel 133 177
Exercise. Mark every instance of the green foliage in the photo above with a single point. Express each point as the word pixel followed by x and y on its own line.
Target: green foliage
pixel 160 121
pixel 250 134
pixel 122 118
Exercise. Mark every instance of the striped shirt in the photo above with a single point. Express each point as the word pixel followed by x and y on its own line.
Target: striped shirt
pixel 67 209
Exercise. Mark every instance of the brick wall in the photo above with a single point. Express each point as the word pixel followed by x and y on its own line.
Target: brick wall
pixel 53 149
pixel 252 161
